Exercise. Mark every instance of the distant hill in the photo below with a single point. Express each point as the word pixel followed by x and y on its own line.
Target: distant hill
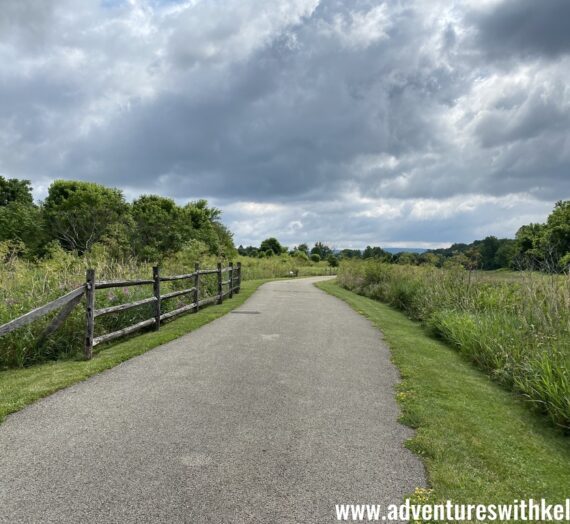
pixel 394 250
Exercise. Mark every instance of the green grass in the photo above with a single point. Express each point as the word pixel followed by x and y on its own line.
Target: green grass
pixel 479 443
pixel 20 387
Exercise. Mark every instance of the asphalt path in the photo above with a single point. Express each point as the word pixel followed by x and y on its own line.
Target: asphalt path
pixel 274 413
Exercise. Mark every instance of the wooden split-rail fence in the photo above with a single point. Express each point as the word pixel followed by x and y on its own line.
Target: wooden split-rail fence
pixel 66 304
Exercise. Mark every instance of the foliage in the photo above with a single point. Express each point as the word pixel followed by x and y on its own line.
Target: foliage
pixel 272 245
pixel 332 260
pixel 516 330
pixel 159 227
pixel 376 252
pixel 78 214
pixel 14 190
pixel 322 250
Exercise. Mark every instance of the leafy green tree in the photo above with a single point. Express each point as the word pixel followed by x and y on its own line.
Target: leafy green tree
pixel 271 244
pixel 530 245
pixel 376 252
pixel 203 223
pixel 488 248
pixel 332 260
pixel 14 190
pixel 20 218
pixel 322 250
pixel 300 255
pixel 315 257
pixel 79 214
pixel 505 255
pixel 159 227
pixel 350 253
pixel 406 258
pixel 22 222
pixel 557 231
pixel 430 259
pixel 304 248
pixel 249 251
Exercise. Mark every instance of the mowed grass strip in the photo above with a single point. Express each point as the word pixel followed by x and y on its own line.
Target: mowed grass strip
pixel 20 387
pixel 479 443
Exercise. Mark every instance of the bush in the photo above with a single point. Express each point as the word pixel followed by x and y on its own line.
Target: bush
pixel 517 330
pixel 316 257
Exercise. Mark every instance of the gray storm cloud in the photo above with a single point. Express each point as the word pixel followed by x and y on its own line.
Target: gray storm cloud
pixel 357 123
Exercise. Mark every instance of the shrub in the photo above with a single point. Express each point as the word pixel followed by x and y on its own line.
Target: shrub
pixel 516 329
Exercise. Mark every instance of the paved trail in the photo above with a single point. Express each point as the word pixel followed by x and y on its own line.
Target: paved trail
pixel 271 414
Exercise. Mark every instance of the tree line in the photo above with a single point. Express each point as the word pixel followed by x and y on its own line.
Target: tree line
pixel 544 247
pixel 80 215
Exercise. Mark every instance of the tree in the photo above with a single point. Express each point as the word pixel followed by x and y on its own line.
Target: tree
pixel 350 253
pixel 300 255
pixel 249 251
pixel 159 227
pixel 304 248
pixel 506 252
pixel 14 190
pixel 315 257
pixel 376 252
pixel 271 244
pixel 530 246
pixel 332 260
pixel 557 232
pixel 322 250
pixel 406 258
pixel 79 214
pixel 430 259
pixel 20 218
pixel 22 222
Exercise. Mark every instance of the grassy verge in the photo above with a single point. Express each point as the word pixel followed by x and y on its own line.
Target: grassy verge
pixel 479 443
pixel 20 387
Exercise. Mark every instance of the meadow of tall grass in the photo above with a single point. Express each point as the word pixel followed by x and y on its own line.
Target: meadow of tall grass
pixel 516 329
pixel 25 285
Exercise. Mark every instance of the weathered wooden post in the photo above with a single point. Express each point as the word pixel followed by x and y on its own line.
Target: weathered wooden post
pixel 89 312
pixel 231 279
pixel 197 285
pixel 238 277
pixel 220 285
pixel 156 291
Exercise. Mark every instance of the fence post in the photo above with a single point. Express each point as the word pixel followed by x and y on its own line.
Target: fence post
pixel 231 279
pixel 197 286
pixel 220 286
pixel 89 312
pixel 238 277
pixel 156 291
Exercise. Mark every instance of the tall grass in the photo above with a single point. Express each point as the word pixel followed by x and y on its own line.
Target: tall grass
pixel 282 266
pixel 25 285
pixel 517 330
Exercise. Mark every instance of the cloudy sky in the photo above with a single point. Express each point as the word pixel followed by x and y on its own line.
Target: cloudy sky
pixel 354 122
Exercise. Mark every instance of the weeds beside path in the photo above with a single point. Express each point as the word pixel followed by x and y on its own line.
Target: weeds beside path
pixel 20 387
pixel 480 443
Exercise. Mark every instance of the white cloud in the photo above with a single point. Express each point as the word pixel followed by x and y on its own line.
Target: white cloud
pixel 354 122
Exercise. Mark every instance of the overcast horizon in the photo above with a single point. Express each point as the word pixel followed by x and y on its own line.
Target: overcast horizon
pixel 412 123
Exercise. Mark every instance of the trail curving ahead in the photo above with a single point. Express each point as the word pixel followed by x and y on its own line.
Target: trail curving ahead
pixel 271 414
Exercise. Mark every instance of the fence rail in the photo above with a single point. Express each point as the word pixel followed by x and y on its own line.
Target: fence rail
pixel 68 302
